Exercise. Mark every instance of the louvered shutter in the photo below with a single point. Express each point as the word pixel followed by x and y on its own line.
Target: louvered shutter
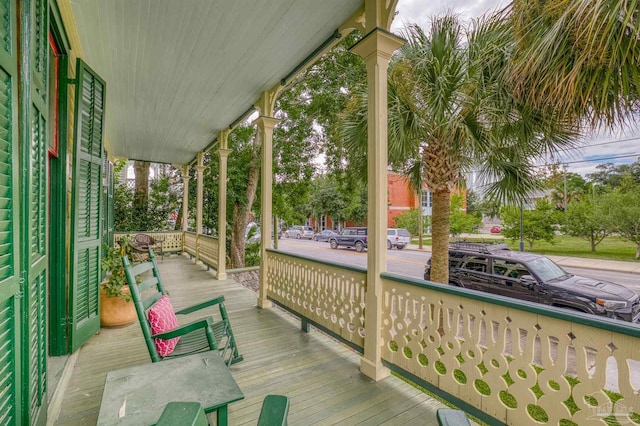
pixel 11 290
pixel 35 108
pixel 87 204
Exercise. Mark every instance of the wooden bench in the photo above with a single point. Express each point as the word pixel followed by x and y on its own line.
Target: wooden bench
pixel 206 334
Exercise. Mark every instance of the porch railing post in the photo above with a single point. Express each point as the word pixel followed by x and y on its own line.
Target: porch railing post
pixel 223 154
pixel 266 123
pixel 376 49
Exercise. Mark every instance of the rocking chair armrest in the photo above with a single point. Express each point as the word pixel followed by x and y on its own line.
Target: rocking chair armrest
pixel 185 329
pixel 197 307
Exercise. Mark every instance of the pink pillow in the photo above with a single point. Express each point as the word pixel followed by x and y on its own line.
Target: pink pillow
pixel 162 318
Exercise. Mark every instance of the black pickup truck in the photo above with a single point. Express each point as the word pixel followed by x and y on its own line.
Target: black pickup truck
pixel 350 237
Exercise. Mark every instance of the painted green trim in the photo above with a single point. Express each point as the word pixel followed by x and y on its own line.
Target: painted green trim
pixel 321 262
pixel 463 405
pixel 58 255
pixel 358 349
pixel 58 29
pixel 596 321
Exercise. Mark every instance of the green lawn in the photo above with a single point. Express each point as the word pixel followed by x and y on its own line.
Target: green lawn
pixel 612 248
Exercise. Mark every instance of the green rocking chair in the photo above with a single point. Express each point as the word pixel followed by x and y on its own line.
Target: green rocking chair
pixel 206 334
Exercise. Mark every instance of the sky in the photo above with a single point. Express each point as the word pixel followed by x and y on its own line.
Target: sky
pixel 595 147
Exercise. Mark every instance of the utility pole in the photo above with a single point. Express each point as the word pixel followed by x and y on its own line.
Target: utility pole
pixel 564 199
pixel 420 219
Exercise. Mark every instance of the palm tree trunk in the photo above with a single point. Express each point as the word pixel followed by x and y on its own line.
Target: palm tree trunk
pixel 440 236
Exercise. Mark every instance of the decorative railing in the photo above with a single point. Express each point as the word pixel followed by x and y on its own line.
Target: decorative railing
pixel 518 362
pixel 328 295
pixel 208 250
pixel 191 243
pixel 171 240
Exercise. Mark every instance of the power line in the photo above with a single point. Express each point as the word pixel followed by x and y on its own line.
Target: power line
pixel 603 143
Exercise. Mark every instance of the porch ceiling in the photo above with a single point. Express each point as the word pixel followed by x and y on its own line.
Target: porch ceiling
pixel 178 72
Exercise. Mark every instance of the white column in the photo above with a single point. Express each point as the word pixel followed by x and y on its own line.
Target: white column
pixel 376 49
pixel 223 155
pixel 199 202
pixel 185 197
pixel 199 191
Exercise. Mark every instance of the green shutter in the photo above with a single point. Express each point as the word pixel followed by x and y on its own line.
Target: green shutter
pixel 10 286
pixel 34 115
pixel 87 204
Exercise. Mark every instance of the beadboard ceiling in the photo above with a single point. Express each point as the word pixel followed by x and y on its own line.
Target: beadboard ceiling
pixel 179 71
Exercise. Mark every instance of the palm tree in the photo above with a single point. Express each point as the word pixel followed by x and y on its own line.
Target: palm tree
pixel 579 57
pixel 452 109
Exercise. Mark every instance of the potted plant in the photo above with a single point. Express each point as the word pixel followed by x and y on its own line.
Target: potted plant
pixel 116 309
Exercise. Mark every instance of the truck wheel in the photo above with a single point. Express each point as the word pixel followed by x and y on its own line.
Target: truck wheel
pixel 359 247
pixel 298 236
pixel 333 244
pixel 389 245
pixel 399 247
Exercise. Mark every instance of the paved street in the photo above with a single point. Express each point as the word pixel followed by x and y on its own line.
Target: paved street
pixel 410 262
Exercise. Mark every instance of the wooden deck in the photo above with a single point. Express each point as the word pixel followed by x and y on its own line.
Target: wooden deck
pixel 321 377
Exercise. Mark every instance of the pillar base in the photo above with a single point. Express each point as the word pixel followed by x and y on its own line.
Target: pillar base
pixel 221 275
pixel 375 371
pixel 264 303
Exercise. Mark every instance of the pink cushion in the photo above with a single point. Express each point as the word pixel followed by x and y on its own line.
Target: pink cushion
pixel 162 318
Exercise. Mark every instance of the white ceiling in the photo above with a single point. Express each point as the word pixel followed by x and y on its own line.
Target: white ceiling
pixel 178 72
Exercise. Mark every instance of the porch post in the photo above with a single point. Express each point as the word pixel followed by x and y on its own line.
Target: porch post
pixel 223 154
pixel 265 123
pixel 376 49
pixel 185 197
pixel 199 190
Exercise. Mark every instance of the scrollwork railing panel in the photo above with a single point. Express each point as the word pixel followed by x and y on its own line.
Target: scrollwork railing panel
pixel 330 295
pixel 517 362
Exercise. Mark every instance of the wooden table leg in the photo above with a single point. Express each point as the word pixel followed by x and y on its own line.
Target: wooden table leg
pixel 223 416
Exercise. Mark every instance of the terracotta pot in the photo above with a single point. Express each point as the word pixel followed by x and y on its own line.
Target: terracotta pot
pixel 115 311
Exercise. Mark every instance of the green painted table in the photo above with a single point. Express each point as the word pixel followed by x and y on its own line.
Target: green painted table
pixel 137 395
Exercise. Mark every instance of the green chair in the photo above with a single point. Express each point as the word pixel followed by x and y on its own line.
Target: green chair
pixel 202 335
pixel 450 417
pixel 275 409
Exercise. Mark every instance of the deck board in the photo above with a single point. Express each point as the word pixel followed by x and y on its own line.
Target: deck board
pixel 320 376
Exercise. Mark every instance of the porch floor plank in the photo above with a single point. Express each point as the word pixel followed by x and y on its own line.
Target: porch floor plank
pixel 321 377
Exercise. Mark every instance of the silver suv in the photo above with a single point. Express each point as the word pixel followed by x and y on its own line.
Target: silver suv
pixel 398 238
pixel 299 232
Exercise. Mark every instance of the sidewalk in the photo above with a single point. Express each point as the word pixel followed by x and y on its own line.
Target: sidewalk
pixel 577 262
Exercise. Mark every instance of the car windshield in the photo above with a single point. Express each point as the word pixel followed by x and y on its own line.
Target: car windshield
pixel 546 269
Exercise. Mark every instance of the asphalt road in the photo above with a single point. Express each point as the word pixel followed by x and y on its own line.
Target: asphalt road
pixel 411 263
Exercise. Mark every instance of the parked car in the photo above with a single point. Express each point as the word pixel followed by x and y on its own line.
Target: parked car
pixel 325 235
pixel 350 237
pixel 495 230
pixel 298 232
pixel 398 238
pixel 494 268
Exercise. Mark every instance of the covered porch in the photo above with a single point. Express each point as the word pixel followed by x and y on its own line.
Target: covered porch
pixel 319 375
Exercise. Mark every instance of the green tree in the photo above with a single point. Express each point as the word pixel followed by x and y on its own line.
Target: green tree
pixel 451 109
pixel 624 203
pixel 579 57
pixel 538 224
pixel 461 221
pixel 409 221
pixel 589 219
